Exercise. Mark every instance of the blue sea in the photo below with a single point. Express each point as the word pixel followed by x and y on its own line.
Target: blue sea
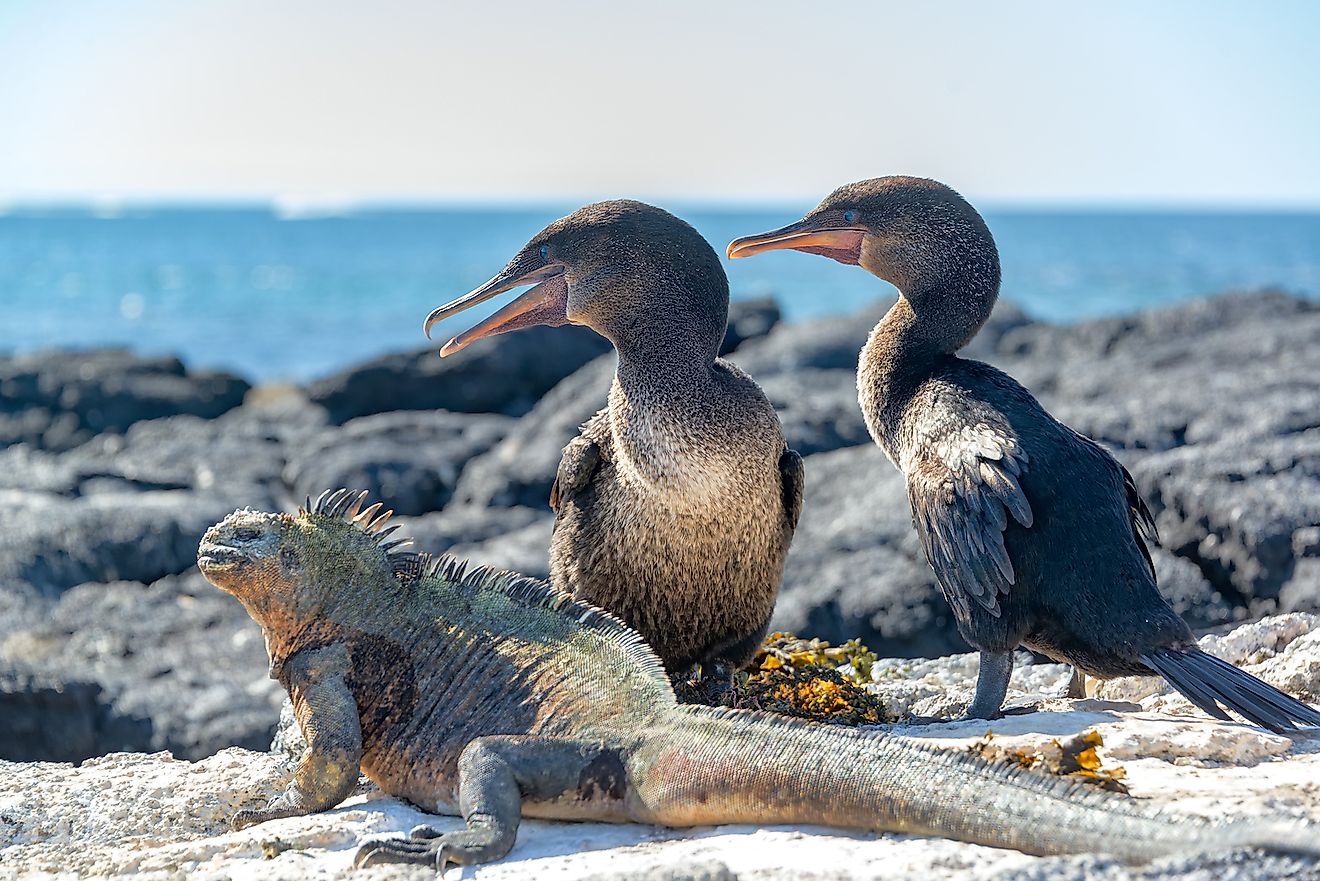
pixel 278 298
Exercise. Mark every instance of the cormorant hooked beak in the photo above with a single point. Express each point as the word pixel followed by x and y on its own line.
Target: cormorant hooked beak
pixel 546 303
pixel 820 234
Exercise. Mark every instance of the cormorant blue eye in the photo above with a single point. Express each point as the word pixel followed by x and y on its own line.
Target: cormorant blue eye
pixel 545 252
pixel 849 216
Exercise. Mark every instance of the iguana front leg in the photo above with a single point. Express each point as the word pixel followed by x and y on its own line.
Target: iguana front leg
pixel 496 776
pixel 328 717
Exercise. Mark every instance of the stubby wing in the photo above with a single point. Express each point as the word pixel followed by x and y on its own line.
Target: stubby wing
pixel 1144 530
pixel 963 488
pixel 792 480
pixel 577 466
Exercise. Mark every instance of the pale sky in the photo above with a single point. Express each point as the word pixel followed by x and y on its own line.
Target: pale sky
pixel 1154 103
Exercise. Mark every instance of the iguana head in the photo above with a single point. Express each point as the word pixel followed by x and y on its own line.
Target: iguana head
pixel 282 565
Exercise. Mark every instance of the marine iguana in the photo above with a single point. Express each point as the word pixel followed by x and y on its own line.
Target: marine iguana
pixel 1036 533
pixel 493 696
pixel 676 504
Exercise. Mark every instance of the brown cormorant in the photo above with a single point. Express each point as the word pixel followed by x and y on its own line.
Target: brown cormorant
pixel 1036 533
pixel 676 504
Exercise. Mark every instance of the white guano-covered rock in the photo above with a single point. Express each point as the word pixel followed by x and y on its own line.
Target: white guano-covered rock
pixel 152 817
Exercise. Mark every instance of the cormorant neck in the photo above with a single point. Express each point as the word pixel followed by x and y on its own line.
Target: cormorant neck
pixel 947 312
pixel 665 355
pixel 903 343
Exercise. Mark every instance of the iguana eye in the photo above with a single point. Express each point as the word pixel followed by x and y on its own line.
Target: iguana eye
pixel 246 533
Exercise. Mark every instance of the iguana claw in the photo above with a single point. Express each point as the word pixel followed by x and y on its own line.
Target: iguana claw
pixel 431 851
pixel 278 808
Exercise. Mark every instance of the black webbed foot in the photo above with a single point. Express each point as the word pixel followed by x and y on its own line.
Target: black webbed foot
pixel 709 684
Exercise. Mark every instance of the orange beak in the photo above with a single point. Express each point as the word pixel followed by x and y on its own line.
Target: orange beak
pixel 546 303
pixel 809 235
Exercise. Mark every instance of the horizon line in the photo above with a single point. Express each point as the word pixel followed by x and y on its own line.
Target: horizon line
pixel 313 207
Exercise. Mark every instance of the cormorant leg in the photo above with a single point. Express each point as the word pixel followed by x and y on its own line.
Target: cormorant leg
pixel 1076 687
pixel 710 681
pixel 687 684
pixel 991 685
pixel 716 686
pixel 710 684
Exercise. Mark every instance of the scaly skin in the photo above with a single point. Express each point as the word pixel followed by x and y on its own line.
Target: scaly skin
pixel 492 696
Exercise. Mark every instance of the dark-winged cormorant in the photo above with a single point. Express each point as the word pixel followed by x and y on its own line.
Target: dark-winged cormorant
pixel 1036 533
pixel 676 504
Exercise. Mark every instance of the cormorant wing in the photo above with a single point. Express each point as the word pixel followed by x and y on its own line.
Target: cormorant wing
pixel 791 480
pixel 1143 522
pixel 577 466
pixel 963 486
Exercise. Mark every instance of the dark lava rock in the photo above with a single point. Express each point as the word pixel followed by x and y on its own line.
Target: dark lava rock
pixel 58 399
pixel 244 449
pixel 521 469
pixel 440 532
pixel 48 719
pixel 1301 593
pixel 525 550
pixel 818 409
pixel 748 320
pixel 502 374
pixel 821 343
pixel 176 665
pixel 1185 587
pixel 53 543
pixel 408 460
pixel 1226 367
pixel 1235 509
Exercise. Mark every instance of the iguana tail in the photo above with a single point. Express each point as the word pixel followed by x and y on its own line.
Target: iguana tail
pixel 728 766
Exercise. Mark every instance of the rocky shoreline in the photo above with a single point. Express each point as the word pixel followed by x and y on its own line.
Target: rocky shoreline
pixel 153 816
pixel 111 466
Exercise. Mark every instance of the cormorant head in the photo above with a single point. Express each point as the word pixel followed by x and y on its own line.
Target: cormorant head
pixel 912 232
pixel 621 267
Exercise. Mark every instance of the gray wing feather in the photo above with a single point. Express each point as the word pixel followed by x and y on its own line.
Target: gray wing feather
pixel 963 489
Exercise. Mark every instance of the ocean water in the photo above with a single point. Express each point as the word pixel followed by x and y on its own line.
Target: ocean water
pixel 274 298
